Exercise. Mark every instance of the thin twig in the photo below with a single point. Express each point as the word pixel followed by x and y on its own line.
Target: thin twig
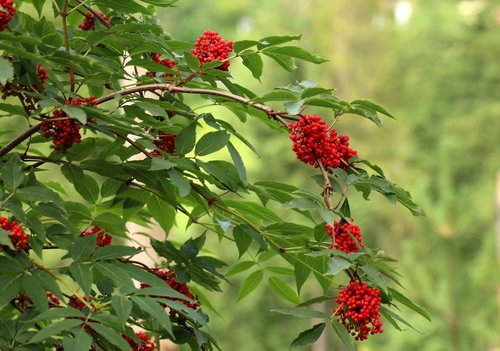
pixel 19 139
pixel 64 15
pixel 95 13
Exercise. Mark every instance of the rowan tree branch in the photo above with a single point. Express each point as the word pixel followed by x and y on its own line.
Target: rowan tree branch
pixel 19 139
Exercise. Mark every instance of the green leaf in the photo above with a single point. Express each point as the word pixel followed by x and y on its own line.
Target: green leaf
pixel 83 247
pixel 81 341
pixel 308 337
pixel 75 113
pixel 253 62
pixel 302 270
pixel 295 51
pixel 162 212
pixel 111 336
pixel 283 290
pixel 276 40
pixel 6 70
pixel 88 188
pixel 375 277
pixel 294 107
pixel 9 288
pixel 57 313
pixel 302 312
pixel 38 193
pixel 343 334
pixel 110 222
pixel 180 182
pixel 186 139
pixel 5 240
pixel 241 45
pixel 211 142
pixel 12 172
pixel 238 161
pixel 396 295
pixel 286 228
pixel 253 234
pixel 253 209
pixel 240 267
pixel 287 62
pixel 336 265
pixel 158 163
pixel 122 306
pixel 55 329
pixel 119 276
pixel 153 308
pixel 128 6
pixel 191 60
pixel 113 252
pixel 278 95
pixel 250 283
pixel 83 276
pixel 242 240
pixel 38 4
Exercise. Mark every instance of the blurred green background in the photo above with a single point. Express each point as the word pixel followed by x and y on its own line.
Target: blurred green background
pixel 436 66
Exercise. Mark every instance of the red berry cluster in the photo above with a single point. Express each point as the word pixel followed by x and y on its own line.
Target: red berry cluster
pixel 42 75
pixel 75 302
pixel 53 301
pixel 64 130
pixel 24 302
pixel 89 22
pixel 146 344
pixel 169 277
pixel 18 237
pixel 164 142
pixel 167 63
pixel 210 47
pixel 103 239
pixel 341 236
pixel 312 141
pixel 7 11
pixel 359 310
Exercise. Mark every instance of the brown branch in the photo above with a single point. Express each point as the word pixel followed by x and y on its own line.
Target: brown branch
pixel 64 15
pixel 95 13
pixel 19 139
pixel 327 186
pixel 270 112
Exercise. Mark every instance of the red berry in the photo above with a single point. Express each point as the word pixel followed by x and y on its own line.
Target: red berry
pixel 313 141
pixel 77 303
pixel 64 131
pixel 103 239
pixel 7 11
pixel 89 22
pixel 18 237
pixel 164 142
pixel 42 75
pixel 210 47
pixel 169 277
pixel 341 236
pixel 358 309
pixel 146 344
pixel 167 63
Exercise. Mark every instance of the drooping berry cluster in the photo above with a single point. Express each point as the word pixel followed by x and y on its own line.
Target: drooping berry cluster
pixel 7 11
pixel 18 237
pixel 64 130
pixel 77 303
pixel 358 310
pixel 210 47
pixel 42 75
pixel 53 301
pixel 341 233
pixel 146 344
pixel 169 277
pixel 167 63
pixel 313 141
pixel 103 239
pixel 164 142
pixel 24 302
pixel 89 22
